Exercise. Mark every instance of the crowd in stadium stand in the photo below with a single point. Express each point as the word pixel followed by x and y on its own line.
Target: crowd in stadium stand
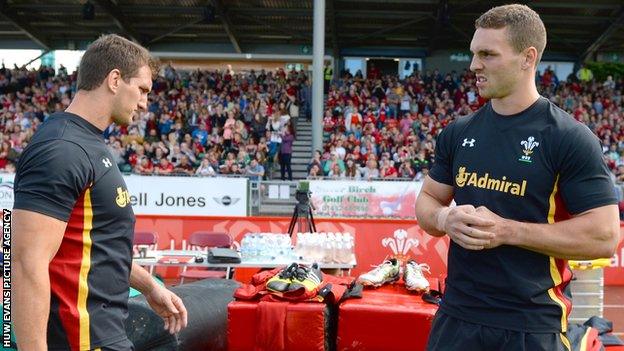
pixel 211 123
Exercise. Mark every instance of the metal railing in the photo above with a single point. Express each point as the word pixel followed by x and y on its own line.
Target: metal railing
pixel 271 197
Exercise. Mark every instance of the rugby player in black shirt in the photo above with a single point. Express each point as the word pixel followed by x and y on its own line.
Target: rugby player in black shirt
pixel 532 191
pixel 73 221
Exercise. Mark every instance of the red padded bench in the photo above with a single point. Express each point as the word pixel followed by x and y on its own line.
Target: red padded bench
pixel 389 318
pixel 307 326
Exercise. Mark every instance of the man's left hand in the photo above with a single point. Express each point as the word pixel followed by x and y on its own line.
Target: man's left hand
pixel 501 227
pixel 168 306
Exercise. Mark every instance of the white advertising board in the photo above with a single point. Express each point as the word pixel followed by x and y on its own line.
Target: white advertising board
pixel 179 196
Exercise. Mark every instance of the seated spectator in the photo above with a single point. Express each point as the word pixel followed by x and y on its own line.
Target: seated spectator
pixel 258 126
pixel 316 160
pixel 370 171
pixel 329 122
pixel 163 167
pixel 200 134
pixel 340 150
pixel 152 137
pixel 336 172
pixel 334 159
pixel 213 161
pixel 387 169
pixel 406 170
pixel 9 167
pixel 7 154
pixel 184 167
pixel 205 169
pixel 239 128
pixel 424 171
pixel 255 171
pixel 144 166
pixel 118 154
pixel 243 159
pixel 251 147
pixel 138 152
pixel 185 150
pixel 228 162
pixel 351 170
pixel 315 172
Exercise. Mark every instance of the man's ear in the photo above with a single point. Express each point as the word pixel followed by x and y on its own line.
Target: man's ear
pixel 530 58
pixel 113 80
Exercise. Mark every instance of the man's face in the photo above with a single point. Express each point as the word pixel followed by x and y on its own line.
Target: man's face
pixel 132 96
pixel 495 62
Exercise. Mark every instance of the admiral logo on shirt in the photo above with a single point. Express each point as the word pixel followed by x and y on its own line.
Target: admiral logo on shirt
pixel 123 197
pixel 464 178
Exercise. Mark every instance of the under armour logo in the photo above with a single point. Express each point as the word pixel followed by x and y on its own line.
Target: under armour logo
pixel 107 163
pixel 470 142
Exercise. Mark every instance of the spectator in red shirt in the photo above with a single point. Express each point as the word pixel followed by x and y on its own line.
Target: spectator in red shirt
pixel 163 167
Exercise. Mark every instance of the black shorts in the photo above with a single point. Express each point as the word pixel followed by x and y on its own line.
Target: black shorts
pixel 451 334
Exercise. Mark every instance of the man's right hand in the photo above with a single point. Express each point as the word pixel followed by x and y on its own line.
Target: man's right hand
pixel 457 222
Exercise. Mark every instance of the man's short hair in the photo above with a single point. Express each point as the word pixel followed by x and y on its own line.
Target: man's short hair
pixel 111 52
pixel 524 26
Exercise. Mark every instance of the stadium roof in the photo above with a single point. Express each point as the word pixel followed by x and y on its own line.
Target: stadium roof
pixel 577 28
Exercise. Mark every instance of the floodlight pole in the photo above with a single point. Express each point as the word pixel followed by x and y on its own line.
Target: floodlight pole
pixel 317 74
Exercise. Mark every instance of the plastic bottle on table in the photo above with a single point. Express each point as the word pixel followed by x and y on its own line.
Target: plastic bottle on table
pixel 245 248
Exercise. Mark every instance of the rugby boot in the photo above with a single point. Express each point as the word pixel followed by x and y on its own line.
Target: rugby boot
pixel 387 272
pixel 282 280
pixel 414 278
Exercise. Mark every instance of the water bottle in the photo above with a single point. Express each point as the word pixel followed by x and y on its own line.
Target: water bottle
pixel 338 250
pixel 253 247
pixel 328 251
pixel 349 246
pixel 245 248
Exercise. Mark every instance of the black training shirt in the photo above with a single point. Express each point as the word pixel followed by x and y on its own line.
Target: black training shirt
pixel 538 166
pixel 66 172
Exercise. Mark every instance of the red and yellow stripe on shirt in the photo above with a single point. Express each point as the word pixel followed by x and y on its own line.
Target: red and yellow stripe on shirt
pixel 69 271
pixel 559 271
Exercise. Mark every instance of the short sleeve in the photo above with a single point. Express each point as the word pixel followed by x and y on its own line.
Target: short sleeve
pixel 50 178
pixel 584 179
pixel 442 169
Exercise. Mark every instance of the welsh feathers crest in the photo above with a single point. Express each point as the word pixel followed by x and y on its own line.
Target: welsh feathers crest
pixel 400 244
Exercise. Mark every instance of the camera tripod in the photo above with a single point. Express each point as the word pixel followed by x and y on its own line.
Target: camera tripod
pixel 303 218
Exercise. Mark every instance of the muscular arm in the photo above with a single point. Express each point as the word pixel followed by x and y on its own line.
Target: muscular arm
pixel 33 248
pixel 458 222
pixel 433 198
pixel 589 235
